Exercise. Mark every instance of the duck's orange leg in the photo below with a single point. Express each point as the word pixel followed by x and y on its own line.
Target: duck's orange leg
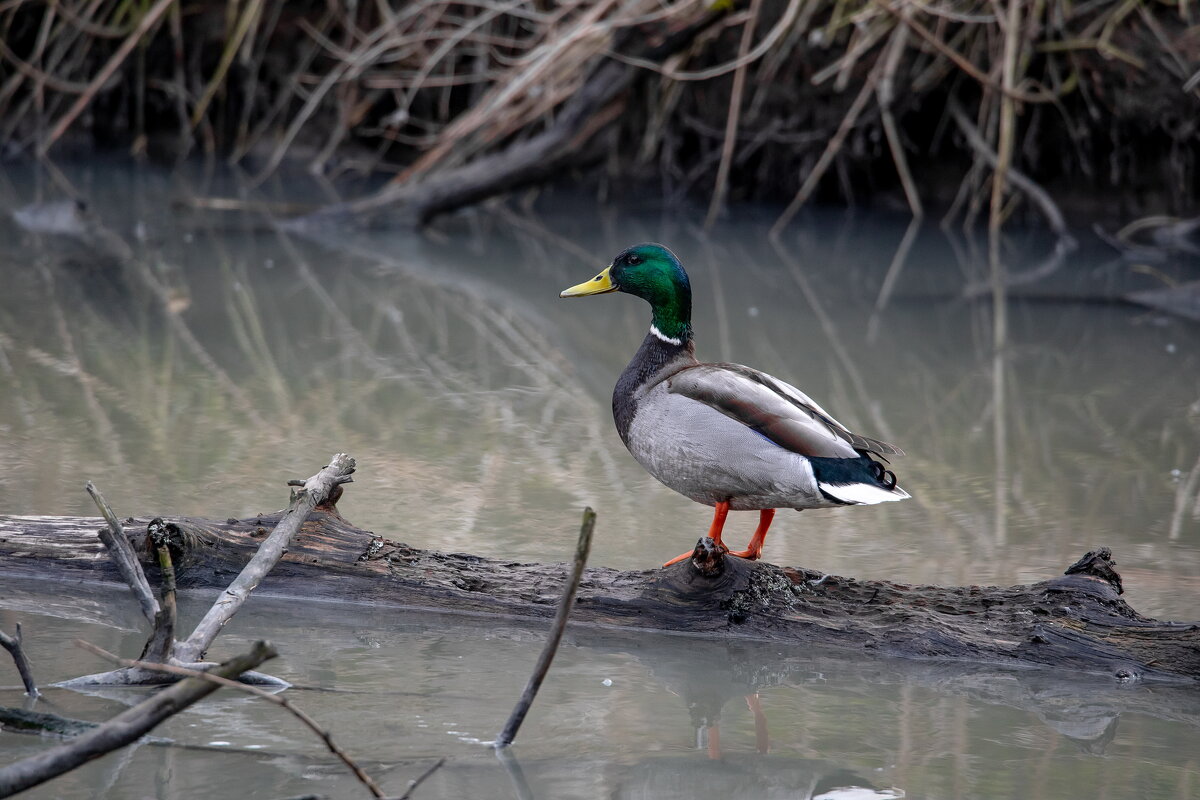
pixel 762 741
pixel 714 531
pixel 754 549
pixel 714 742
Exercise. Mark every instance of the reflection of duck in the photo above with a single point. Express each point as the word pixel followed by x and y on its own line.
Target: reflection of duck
pixel 722 434
pixel 771 778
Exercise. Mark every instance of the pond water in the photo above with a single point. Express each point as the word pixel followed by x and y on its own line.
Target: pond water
pixel 225 357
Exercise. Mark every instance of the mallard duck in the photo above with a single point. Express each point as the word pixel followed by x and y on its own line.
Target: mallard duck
pixel 725 435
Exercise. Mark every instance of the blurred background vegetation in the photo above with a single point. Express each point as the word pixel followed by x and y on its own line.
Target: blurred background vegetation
pixel 901 103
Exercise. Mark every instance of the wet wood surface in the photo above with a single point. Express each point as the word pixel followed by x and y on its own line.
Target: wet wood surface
pixel 1074 623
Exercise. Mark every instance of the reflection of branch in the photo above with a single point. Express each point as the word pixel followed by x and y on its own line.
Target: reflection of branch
pixel 104 426
pixel 13 645
pixel 835 342
pixel 270 697
pixel 1045 269
pixel 1183 496
pixel 893 274
pixel 125 728
pixel 193 344
pixel 417 781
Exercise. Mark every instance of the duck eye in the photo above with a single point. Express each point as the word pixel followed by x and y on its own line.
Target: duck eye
pixel 633 259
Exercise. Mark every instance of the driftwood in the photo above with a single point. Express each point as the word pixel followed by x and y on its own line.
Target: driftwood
pixel 1076 622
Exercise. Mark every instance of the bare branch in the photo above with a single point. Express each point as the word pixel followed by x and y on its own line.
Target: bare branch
pixel 316 489
pixel 1050 210
pixel 135 37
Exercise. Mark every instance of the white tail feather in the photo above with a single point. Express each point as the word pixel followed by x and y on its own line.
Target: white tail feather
pixel 862 493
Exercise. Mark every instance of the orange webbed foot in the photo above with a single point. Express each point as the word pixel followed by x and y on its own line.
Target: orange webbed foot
pixel 753 550
pixel 749 555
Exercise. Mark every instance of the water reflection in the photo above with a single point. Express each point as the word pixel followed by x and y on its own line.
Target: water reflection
pixel 401 690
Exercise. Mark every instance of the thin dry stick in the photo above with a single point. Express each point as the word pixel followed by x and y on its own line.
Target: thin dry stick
pixel 731 122
pixel 887 96
pixel 249 15
pixel 556 632
pixel 148 20
pixel 122 553
pixel 277 699
pixel 13 645
pixel 961 62
pixel 775 34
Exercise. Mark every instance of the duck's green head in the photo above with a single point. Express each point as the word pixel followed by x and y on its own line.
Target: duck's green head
pixel 653 273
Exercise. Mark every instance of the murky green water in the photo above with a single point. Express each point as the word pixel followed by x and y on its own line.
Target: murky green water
pixel 476 403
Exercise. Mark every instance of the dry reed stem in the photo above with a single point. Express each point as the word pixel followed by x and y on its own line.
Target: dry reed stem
pixel 731 122
pixel 147 21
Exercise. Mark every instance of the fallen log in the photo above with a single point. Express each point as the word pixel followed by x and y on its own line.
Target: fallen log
pixel 1076 622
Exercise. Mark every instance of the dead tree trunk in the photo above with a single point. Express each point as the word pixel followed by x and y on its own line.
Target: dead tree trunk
pixel 1076 622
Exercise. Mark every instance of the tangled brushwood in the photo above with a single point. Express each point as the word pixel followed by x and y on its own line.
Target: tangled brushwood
pixel 908 101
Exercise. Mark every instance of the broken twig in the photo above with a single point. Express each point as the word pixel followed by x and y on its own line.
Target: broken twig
pixel 316 489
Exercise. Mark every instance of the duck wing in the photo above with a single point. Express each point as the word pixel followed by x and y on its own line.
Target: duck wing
pixel 777 410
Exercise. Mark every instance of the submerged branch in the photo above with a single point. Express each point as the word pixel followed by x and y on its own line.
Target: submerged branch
pixel 270 697
pixel 125 728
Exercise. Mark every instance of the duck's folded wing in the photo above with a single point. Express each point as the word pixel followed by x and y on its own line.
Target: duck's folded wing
pixel 777 410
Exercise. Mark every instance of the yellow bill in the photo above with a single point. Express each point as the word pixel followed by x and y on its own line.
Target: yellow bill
pixel 598 285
